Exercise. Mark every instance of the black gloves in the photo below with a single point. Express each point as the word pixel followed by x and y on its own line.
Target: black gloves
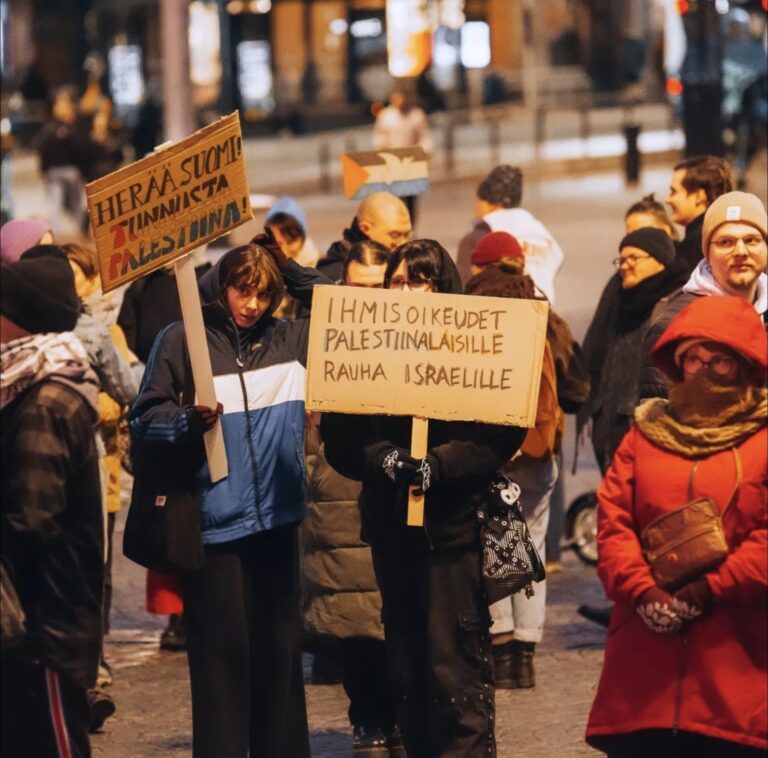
pixel 267 240
pixel 402 468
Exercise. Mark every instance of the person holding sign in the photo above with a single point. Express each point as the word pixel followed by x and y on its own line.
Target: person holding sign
pixel 435 613
pixel 242 607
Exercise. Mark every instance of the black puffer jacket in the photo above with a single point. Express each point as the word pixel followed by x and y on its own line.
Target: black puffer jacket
pixel 340 596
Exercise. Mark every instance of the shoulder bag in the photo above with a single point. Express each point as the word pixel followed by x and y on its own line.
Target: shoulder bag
pixel 162 529
pixel 682 545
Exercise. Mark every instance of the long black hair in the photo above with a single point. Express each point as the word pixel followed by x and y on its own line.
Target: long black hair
pixel 427 260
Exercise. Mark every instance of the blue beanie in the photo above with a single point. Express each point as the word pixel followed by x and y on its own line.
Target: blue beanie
pixel 288 205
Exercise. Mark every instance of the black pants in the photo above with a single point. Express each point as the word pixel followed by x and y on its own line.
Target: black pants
pixel 44 714
pixel 663 743
pixel 366 682
pixel 244 645
pixel 436 623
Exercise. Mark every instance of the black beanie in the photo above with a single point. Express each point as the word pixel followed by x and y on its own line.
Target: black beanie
pixel 656 242
pixel 503 186
pixel 38 292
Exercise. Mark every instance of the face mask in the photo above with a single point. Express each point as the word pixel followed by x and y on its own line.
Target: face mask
pixel 706 396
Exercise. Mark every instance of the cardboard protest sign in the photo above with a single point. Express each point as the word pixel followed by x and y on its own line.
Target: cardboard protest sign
pixel 450 357
pixel 402 171
pixel 155 210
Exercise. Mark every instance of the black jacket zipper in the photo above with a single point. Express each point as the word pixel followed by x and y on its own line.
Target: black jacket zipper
pixel 248 427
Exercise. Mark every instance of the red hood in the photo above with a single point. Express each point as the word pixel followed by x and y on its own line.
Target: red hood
pixel 727 320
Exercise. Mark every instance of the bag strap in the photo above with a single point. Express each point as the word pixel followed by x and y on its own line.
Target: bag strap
pixel 737 484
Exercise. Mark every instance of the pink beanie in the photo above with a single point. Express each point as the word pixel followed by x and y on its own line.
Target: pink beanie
pixel 17 236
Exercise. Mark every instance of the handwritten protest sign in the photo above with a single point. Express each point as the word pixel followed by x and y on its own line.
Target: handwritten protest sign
pixel 402 171
pixel 155 210
pixel 450 357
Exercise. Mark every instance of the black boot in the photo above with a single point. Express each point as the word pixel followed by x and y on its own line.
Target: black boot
pixel 503 666
pixel 101 706
pixel 174 636
pixel 522 664
pixel 599 614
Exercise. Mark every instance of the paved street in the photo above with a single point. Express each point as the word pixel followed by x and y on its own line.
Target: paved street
pixel 152 691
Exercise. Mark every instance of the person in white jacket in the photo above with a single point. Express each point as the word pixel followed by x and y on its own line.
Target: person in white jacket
pixel 497 210
pixel 403 124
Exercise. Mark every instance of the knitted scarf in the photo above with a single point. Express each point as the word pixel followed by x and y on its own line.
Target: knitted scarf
pixel 636 304
pixel 703 416
pixel 29 360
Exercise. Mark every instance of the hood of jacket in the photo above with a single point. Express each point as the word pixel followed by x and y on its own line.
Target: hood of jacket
pixel 714 319
pixel 702 282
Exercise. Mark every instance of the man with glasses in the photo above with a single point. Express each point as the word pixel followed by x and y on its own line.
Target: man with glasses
pixel 733 242
pixel 381 217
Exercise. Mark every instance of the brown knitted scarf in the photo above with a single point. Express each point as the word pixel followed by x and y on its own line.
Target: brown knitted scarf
pixel 703 416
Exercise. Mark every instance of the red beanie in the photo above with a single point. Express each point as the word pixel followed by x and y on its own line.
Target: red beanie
pixel 494 247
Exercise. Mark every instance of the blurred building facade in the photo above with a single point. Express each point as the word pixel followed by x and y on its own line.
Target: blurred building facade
pixel 310 64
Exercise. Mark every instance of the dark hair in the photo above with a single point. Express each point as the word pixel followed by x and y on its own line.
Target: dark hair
pixel 709 173
pixel 84 257
pixel 251 266
pixel 367 252
pixel 650 205
pixel 289 227
pixel 423 260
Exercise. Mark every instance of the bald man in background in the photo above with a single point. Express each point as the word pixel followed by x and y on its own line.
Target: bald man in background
pixel 381 217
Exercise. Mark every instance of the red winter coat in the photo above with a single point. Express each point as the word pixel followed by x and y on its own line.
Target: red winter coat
pixel 710 679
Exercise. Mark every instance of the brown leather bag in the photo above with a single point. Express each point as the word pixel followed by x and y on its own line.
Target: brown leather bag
pixel 682 545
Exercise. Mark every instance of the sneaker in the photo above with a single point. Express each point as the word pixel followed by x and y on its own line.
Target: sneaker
pixel 396 744
pixel 102 706
pixel 369 743
pixel 599 614
pixel 174 636
pixel 104 675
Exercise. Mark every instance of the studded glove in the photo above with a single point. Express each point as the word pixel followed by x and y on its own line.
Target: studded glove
pixel 401 467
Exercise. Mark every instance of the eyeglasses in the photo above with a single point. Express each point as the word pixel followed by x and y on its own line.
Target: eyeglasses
pixel 399 238
pixel 629 260
pixel 416 285
pixel 721 364
pixel 752 242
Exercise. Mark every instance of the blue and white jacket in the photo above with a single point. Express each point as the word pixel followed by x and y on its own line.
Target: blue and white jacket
pixel 260 381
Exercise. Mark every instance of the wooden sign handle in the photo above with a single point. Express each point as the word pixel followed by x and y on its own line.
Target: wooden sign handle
pixel 200 359
pixel 419 432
